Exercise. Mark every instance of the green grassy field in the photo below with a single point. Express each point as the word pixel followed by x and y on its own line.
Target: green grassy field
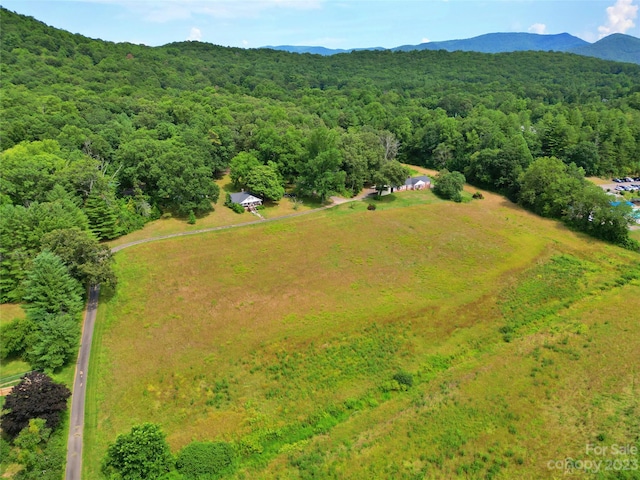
pixel 284 338
pixel 12 369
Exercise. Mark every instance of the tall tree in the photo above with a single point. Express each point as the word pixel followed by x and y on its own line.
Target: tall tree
pixel 101 210
pixel 53 341
pixel 36 396
pixel 240 167
pixel 265 182
pixel 392 174
pixel 50 289
pixel 548 185
pixel 321 174
pixel 88 261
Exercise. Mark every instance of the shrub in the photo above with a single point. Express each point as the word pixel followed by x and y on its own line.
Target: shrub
pixel 236 207
pixel 371 206
pixel 206 460
pixel 192 218
pixel 478 196
pixel 404 378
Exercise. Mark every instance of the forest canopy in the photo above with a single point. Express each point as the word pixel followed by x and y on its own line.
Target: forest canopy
pixel 125 132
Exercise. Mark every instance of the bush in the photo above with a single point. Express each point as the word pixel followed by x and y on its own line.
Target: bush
pixel 404 378
pixel 192 218
pixel 371 206
pixel 478 196
pixel 236 207
pixel 206 460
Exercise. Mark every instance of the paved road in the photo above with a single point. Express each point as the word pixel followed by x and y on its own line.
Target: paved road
pixel 76 418
pixel 76 426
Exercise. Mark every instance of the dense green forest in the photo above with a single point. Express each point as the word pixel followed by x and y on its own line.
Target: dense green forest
pixel 102 137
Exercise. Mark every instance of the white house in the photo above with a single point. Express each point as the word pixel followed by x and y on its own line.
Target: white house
pixel 245 199
pixel 415 183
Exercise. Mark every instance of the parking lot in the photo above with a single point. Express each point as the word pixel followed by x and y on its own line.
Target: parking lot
pixel 627 184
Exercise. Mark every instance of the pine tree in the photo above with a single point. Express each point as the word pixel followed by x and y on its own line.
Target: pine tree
pixel 50 289
pixel 103 218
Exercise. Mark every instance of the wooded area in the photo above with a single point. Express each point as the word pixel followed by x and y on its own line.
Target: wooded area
pixel 103 137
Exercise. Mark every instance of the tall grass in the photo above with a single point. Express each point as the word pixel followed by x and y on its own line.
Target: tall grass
pixel 286 340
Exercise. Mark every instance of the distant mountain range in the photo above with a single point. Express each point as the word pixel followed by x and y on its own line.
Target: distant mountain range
pixel 617 47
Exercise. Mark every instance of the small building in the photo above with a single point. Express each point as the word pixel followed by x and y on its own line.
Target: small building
pixel 415 183
pixel 247 200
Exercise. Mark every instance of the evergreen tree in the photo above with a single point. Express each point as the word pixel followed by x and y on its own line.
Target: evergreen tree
pixel 54 342
pixel 102 214
pixel 50 289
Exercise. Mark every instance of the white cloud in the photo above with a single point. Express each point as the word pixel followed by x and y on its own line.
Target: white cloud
pixel 620 18
pixel 245 42
pixel 425 40
pixel 195 35
pixel 539 28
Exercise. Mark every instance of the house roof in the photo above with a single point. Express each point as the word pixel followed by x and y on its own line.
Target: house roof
pixel 244 197
pixel 410 182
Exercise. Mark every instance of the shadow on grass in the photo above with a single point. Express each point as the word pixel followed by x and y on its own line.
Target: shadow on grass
pixel 381 200
pixel 107 293
pixel 230 188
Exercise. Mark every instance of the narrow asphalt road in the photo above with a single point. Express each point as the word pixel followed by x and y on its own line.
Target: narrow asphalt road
pixel 76 415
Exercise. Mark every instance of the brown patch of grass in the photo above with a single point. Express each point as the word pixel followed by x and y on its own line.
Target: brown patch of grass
pixel 10 312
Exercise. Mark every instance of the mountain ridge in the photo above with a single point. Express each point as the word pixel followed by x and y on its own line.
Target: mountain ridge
pixel 615 47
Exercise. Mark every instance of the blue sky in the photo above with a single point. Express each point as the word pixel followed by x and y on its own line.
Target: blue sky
pixel 330 23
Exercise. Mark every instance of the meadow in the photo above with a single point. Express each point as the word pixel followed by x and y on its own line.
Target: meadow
pixel 425 339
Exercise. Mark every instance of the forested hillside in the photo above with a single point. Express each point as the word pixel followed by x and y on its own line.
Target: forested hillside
pixel 112 135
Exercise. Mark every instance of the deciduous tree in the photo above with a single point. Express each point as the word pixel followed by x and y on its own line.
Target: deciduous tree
pixel 88 261
pixel 264 181
pixel 141 454
pixel 36 396
pixel 449 185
